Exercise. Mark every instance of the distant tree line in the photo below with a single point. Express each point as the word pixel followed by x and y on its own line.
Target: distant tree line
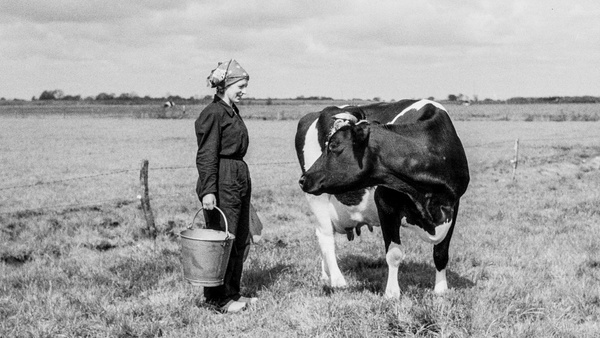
pixel 555 99
pixel 133 98
pixel 460 98
pixel 58 95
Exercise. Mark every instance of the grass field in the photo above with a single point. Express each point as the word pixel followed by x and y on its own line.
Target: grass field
pixel 74 262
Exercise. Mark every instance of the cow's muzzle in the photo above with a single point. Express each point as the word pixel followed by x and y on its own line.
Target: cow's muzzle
pixel 301 181
pixel 308 187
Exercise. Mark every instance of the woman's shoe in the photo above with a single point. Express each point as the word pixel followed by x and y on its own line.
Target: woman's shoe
pixel 248 300
pixel 233 307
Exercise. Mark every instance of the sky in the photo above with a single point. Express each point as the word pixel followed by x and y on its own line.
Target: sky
pixel 390 49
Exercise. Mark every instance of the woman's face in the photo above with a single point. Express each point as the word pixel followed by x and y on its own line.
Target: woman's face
pixel 235 92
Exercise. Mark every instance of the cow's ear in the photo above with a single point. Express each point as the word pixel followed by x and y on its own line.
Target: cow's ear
pixel 361 133
pixel 357 112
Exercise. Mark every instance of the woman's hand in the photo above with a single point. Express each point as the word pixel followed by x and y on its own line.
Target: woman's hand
pixel 209 201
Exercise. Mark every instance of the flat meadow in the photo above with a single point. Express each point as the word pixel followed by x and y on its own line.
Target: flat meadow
pixel 75 260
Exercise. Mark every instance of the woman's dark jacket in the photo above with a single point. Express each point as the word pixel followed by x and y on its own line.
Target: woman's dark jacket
pixel 221 133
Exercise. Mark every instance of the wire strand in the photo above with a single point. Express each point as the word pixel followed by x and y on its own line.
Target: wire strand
pixel 67 179
pixel 128 201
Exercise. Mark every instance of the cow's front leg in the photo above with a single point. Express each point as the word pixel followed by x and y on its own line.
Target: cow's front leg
pixel 329 267
pixel 389 216
pixel 325 235
pixel 393 257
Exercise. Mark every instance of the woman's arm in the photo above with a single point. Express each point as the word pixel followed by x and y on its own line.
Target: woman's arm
pixel 208 134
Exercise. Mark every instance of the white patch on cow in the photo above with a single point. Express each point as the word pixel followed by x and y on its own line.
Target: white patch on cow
pixel 440 231
pixel 345 116
pixel 393 257
pixel 441 285
pixel 312 148
pixel 341 119
pixel 349 216
pixel 416 106
pixel 343 106
pixel 337 124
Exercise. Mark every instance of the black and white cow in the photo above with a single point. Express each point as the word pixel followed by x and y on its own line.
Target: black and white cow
pixel 387 164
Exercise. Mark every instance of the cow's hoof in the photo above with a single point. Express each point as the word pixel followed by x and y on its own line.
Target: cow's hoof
pixel 440 288
pixel 339 282
pixel 392 294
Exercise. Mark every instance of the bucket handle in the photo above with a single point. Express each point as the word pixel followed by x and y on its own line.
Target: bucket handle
pixel 222 214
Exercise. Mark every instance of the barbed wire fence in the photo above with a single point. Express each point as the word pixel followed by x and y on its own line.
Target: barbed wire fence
pixel 518 152
pixel 120 201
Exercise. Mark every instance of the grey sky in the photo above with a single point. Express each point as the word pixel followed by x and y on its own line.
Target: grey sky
pixel 343 49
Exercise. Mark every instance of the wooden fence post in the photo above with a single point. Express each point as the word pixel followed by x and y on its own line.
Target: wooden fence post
pixel 145 201
pixel 515 161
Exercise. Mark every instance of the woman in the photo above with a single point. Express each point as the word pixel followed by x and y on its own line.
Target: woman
pixel 223 177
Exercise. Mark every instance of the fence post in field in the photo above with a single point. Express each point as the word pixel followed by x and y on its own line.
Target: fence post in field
pixel 515 161
pixel 145 200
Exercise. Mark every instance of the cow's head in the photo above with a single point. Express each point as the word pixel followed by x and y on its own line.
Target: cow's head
pixel 344 163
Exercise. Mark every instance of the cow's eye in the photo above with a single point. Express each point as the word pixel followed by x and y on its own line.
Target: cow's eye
pixel 334 147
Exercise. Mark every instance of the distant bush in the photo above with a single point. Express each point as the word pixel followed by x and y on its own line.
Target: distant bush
pixel 55 94
pixel 301 97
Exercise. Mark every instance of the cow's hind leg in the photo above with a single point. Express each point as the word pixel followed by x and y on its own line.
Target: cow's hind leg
pixel 389 217
pixel 330 270
pixel 440 257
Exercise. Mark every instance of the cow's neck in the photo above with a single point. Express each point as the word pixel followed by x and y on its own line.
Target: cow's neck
pixel 395 154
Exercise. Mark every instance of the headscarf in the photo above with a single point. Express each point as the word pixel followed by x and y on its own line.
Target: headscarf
pixel 227 73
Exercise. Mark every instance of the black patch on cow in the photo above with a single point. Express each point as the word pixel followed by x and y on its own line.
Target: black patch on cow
pixel 351 197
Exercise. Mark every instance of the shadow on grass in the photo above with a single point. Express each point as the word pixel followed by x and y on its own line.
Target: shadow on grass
pixel 258 279
pixel 371 275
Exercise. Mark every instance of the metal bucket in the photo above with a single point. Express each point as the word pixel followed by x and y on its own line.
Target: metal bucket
pixel 205 253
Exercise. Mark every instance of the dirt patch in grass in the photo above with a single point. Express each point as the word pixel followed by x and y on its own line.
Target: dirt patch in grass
pixel 16 259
